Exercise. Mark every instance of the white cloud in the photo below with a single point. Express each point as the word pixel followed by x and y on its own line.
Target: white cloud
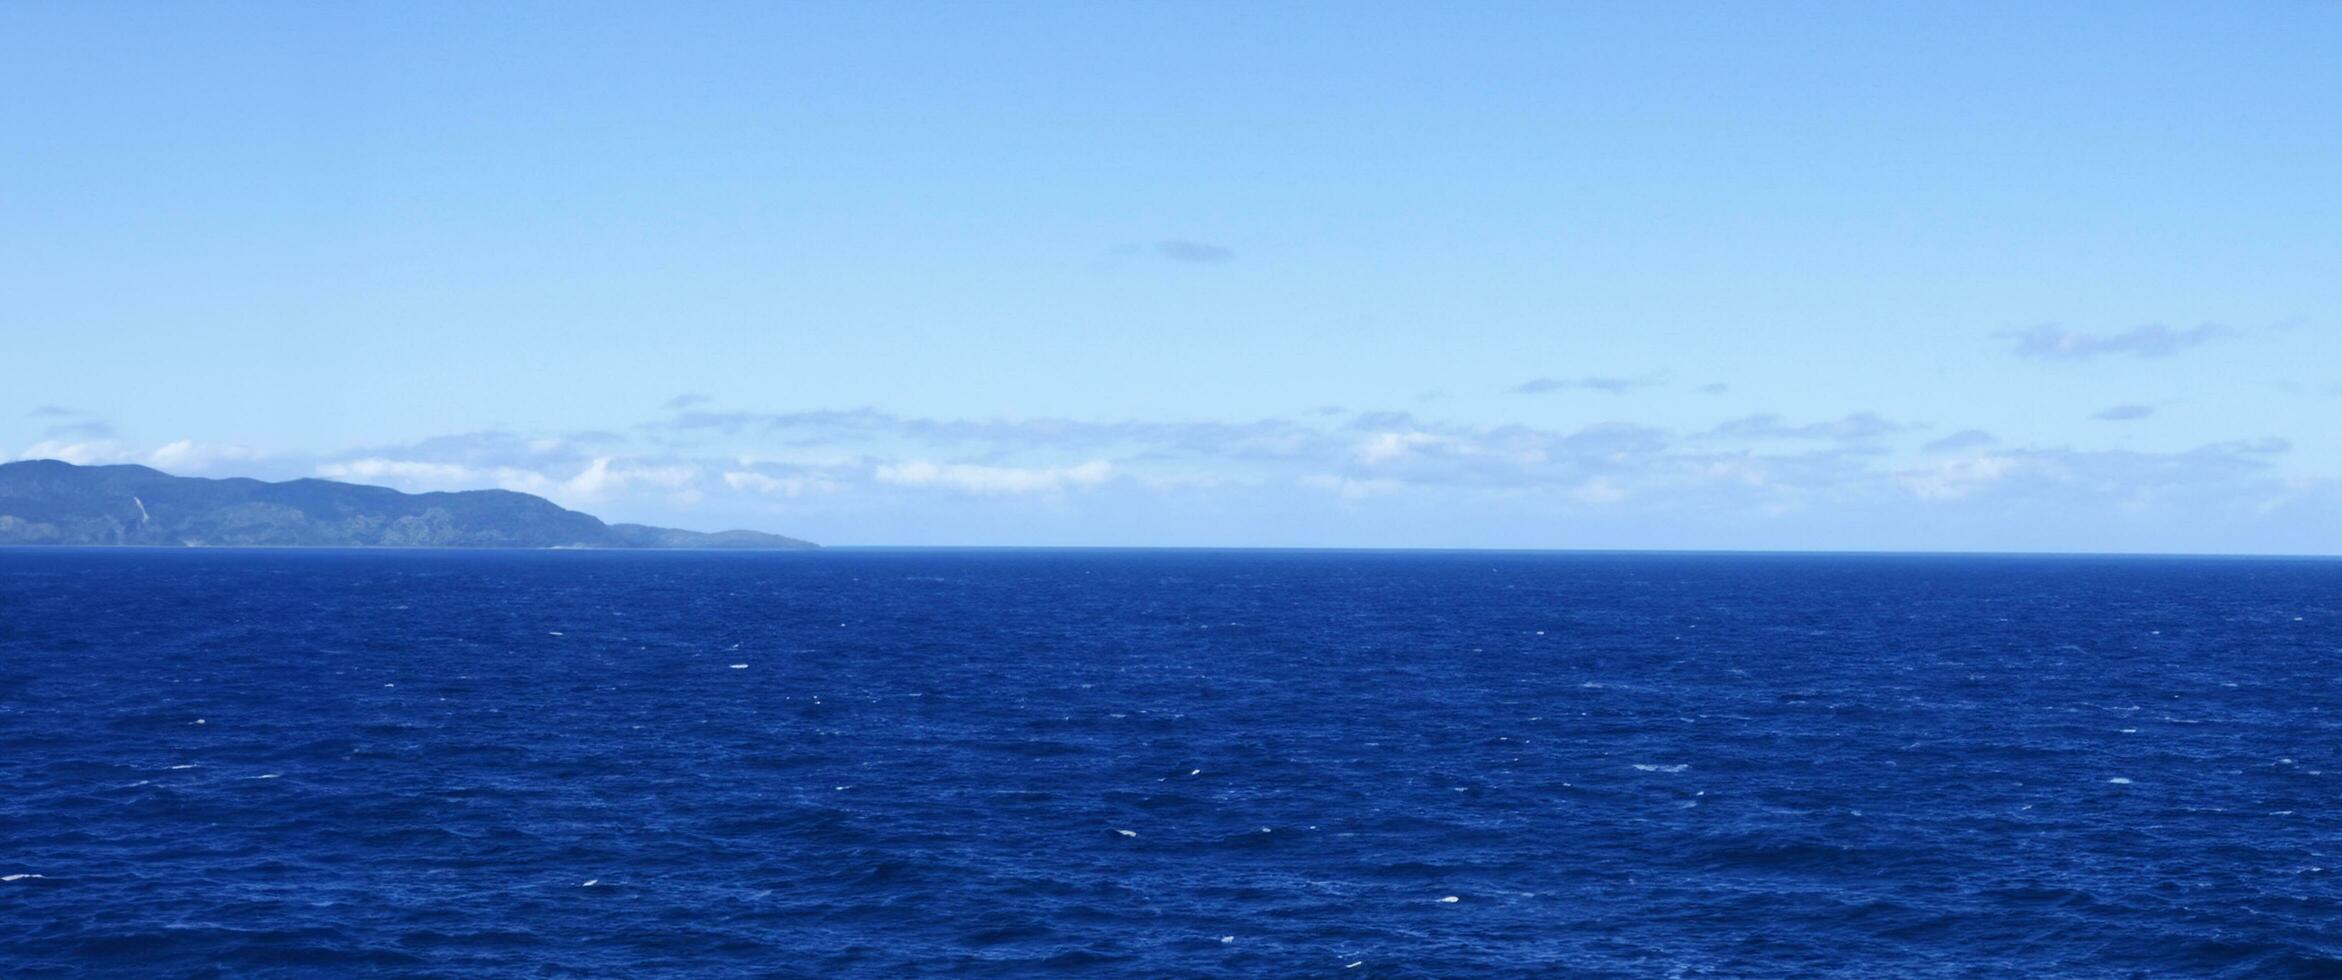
pixel 1353 488
pixel 973 478
pixel 2145 340
pixel 78 453
pixel 1954 479
pixel 188 456
pixel 1599 490
pixel 601 477
pixel 604 476
pixel 1857 427
pixel 415 475
pixel 779 486
pixel 1383 447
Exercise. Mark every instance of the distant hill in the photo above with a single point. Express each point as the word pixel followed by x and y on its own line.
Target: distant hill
pixel 47 502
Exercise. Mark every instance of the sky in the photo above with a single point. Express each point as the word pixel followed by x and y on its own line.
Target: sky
pixel 1863 276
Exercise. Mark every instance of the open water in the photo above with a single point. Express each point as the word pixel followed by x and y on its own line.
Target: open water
pixel 1167 763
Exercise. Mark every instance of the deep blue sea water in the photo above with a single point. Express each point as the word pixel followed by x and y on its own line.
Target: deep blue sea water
pixel 1172 763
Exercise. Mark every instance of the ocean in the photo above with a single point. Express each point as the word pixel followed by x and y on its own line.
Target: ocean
pixel 1167 763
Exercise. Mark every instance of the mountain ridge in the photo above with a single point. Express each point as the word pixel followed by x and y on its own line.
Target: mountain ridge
pixel 53 502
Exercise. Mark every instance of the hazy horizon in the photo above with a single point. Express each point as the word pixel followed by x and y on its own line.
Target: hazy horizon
pixel 1208 547
pixel 1995 278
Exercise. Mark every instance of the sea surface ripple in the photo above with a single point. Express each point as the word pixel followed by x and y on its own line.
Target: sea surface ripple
pixel 1168 763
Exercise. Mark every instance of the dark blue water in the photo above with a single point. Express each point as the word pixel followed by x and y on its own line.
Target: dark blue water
pixel 1167 763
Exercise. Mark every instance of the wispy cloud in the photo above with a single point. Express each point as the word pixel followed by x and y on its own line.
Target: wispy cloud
pixel 1859 427
pixel 1607 384
pixel 980 479
pixel 1199 253
pixel 871 429
pixel 1956 479
pixel 1963 439
pixel 80 429
pixel 63 423
pixel 800 482
pixel 2077 480
pixel 2123 413
pixel 2052 342
pixel 687 399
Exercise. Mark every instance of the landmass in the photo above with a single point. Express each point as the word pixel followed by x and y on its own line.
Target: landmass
pixel 50 502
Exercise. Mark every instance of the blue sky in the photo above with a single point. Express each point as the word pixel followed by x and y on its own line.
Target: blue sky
pixel 1896 276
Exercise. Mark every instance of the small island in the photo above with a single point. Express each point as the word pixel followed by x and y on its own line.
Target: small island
pixel 50 502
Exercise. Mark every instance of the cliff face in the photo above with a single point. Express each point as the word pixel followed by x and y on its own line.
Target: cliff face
pixel 46 502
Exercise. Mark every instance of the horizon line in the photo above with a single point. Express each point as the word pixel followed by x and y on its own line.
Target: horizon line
pixel 1289 549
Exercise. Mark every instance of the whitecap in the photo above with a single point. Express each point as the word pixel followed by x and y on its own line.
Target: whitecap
pixel 2120 781
pixel 268 775
pixel 1651 767
pixel 1227 939
pixel 1127 833
pixel 739 666
pixel 20 877
pixel 1353 964
pixel 553 633
pixel 590 882
pixel 1451 900
pixel 189 765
